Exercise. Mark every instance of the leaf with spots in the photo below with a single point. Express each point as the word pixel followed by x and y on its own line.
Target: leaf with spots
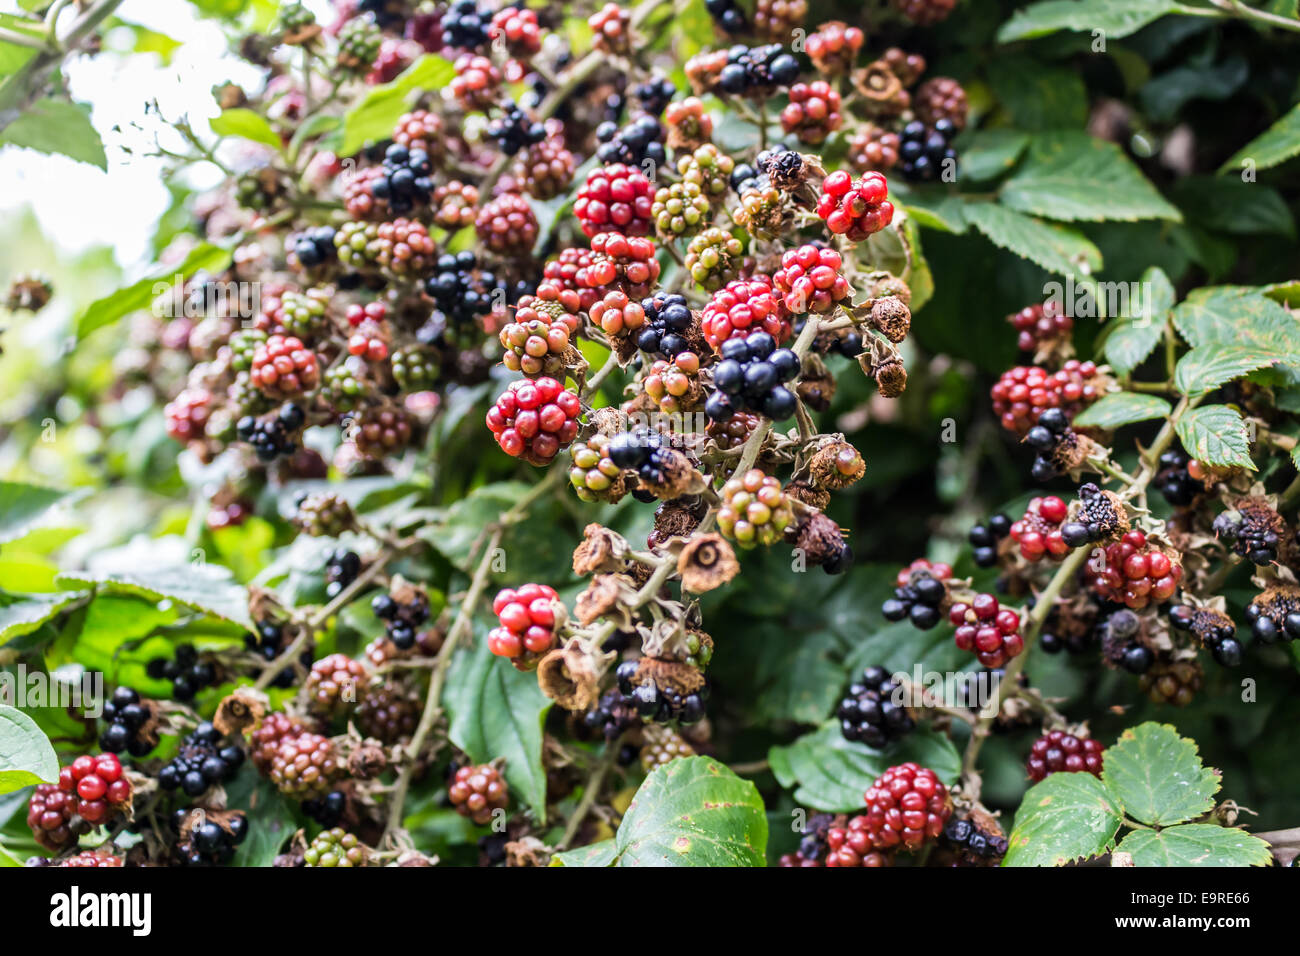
pixel 693 812
pixel 1067 817
pixel 1196 844
pixel 1158 776
pixel 1217 435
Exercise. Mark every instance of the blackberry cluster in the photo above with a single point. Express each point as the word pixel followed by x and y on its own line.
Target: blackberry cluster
pixel 1044 437
pixel 464 26
pixel 315 247
pixel 402 620
pixel 753 71
pixel 984 539
pixel 751 378
pixel 906 806
pixel 972 841
pixel 1175 482
pixel 659 702
pixel 1038 532
pixel 1214 630
pixel 655 94
pixel 1135 573
pixel 1121 643
pixel 335 847
pixel 923 151
pixel 1067 631
pixel 662 745
pixel 1039 326
pixel 1253 529
pixel 634 144
pixel 406 180
pixel 986 629
pixel 612 716
pixel 514 130
pixel 1059 752
pixel 919 594
pixel 643 451
pixel 1172 681
pixel 1275 615
pixel 460 290
pixel 126 715
pixel 667 320
pixel 268 643
pixel 341 569
pixel 187 672
pixel 477 792
pixel 868 712
pixel 273 436
pixel 201 762
pixel 205 842
pixel 728 15
pixel 326 810
pixel 1101 516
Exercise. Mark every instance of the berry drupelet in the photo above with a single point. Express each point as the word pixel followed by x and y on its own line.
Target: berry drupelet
pixel 984 538
pixel 188 673
pixel 201 762
pixel 751 378
pixel 126 717
pixel 919 593
pixel 1058 751
pixel 868 712
pixel 925 152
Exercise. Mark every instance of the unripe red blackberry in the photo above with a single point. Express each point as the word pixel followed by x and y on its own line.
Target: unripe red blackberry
pixel 623 263
pixel 336 847
pixel 477 82
pixel 754 509
pixel 537 341
pixel 1038 532
pixel 852 844
pixel 833 47
pixel 334 686
pixel 743 306
pixel 906 807
pixel 810 280
pixel 389 711
pixel 420 129
pixel 615 198
pixel 568 271
pixel 546 168
pixel 92 858
pixel 611 27
pixel 778 19
pixel 713 258
pixel 1022 394
pixel 1134 572
pixel 617 315
pixel 283 367
pixel 265 738
pixel 50 815
pixel 454 205
pixel 1040 326
pixel 813 112
pixel 97 787
pixel 874 148
pixel 855 209
pixel 507 225
pixel 925 13
pixel 941 98
pixel 689 124
pixel 1058 751
pixel 673 384
pixel 380 431
pixel 517 30
pixel 305 765
pixel 187 414
pixel 987 630
pixel 527 618
pixel 533 420
pixel 477 792
pixel 359 194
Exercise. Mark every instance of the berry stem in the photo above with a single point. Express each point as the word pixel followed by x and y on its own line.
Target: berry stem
pixel 23 83
pixel 589 793
pixel 1238 9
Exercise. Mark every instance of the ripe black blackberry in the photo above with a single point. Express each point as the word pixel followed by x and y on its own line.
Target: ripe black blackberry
pixel 201 762
pixel 327 810
pixel 660 702
pixel 1253 529
pixel 612 716
pixel 341 569
pixel 268 643
pixel 464 26
pixel 754 71
pixel 728 15
pixel 918 597
pixel 1214 630
pixel 984 539
pixel 667 320
pixel 126 716
pixel 273 436
pixel 315 247
pixel 403 620
pixel 407 179
pixel 462 292
pixel 1044 437
pixel 1102 516
pixel 751 378
pixel 208 838
pixel 1120 645
pixel 1274 615
pixel 925 152
pixel 634 144
pixel 1174 482
pixel 1068 629
pixel 868 712
pixel 188 673
pixel 654 95
pixel 514 130
pixel 977 845
pixel 643 451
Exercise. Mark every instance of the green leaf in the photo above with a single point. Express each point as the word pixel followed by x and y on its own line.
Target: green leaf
pixel 1206 367
pixel 1222 204
pixel 23 506
pixel 1038 95
pixel 26 615
pixel 1229 315
pixel 988 154
pixel 936 212
pixel 1169 93
pixel 1114 18
pixel 693 812
pixel 832 773
pixel 1274 146
pixel 204 257
pixel 249 125
pixel 1056 248
pixel 1157 776
pixel 1133 338
pixel 1072 176
pixel 374 117
pixel 1067 817
pixel 60 128
pixel 1122 408
pixel 603 853
pixel 1216 434
pixel 208 588
pixel 270 817
pixel 26 756
pixel 497 711
pixel 1196 844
